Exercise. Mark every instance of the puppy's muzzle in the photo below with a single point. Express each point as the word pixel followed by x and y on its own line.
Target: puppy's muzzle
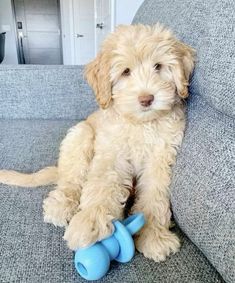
pixel 146 100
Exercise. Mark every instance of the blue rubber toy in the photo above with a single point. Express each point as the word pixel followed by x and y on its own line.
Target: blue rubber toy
pixel 93 263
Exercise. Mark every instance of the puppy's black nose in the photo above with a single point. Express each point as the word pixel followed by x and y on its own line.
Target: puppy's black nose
pixel 146 100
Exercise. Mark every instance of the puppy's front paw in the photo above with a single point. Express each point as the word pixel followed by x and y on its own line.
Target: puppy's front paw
pixel 156 244
pixel 89 226
pixel 59 207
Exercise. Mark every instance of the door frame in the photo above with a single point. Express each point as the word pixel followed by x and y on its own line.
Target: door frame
pixel 15 31
pixel 60 29
pixel 70 24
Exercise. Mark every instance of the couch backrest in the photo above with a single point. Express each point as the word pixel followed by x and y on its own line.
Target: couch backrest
pixel 209 27
pixel 44 92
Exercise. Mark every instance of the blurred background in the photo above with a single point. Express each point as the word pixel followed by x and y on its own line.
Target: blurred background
pixel 54 32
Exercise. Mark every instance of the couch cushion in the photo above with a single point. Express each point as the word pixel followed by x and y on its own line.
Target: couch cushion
pixel 44 92
pixel 29 145
pixel 32 251
pixel 209 27
pixel 203 187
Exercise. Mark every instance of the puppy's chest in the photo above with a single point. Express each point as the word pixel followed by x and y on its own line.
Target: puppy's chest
pixel 134 142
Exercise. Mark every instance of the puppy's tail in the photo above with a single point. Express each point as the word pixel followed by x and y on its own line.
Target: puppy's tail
pixel 46 176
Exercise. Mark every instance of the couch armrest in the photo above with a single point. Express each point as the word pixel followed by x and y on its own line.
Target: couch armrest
pixel 203 194
pixel 44 92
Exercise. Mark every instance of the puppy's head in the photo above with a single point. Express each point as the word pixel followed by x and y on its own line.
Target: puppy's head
pixel 140 71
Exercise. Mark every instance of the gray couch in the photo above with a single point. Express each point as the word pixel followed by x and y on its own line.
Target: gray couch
pixel 39 103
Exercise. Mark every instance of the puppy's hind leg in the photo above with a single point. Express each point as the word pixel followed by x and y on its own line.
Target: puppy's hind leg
pixel 76 152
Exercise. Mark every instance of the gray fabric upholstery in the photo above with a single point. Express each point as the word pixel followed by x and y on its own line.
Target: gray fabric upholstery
pixel 29 145
pixel 203 188
pixel 209 27
pixel 32 251
pixel 44 92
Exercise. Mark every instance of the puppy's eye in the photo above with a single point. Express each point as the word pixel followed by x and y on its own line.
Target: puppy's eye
pixel 157 67
pixel 126 72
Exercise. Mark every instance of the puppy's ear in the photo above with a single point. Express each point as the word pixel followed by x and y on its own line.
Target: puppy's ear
pixel 183 68
pixel 98 76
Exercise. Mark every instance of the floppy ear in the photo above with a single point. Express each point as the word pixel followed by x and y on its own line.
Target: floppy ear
pixel 98 76
pixel 183 68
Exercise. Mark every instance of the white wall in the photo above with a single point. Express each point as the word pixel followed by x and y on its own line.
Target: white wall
pixel 7 24
pixel 126 10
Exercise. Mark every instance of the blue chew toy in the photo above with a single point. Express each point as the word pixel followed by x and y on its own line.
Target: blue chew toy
pixel 93 263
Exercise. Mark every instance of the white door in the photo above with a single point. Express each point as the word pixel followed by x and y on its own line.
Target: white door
pixel 104 20
pixel 84 31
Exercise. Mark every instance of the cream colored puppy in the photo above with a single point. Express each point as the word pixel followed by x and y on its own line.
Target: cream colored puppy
pixel 139 78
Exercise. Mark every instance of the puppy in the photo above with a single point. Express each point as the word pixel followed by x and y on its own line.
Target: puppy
pixel 139 78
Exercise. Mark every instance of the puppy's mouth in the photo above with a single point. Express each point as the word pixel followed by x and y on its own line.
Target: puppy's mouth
pixel 146 109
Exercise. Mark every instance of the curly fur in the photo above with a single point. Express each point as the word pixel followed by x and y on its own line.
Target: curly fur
pixel 123 140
